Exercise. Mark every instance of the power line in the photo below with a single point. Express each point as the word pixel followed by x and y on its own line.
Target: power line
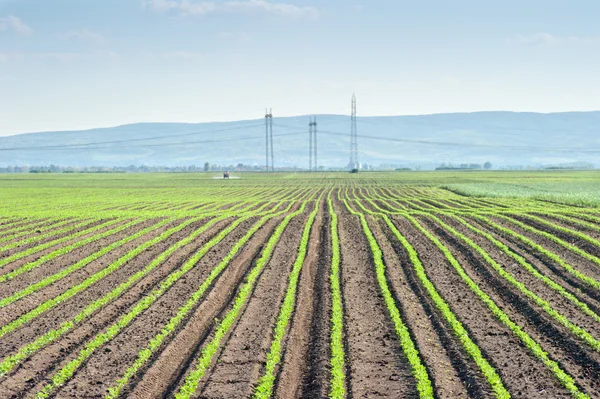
pixel 442 143
pixel 69 148
pixel 129 140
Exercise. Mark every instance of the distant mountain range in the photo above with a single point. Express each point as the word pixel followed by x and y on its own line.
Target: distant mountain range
pixel 503 138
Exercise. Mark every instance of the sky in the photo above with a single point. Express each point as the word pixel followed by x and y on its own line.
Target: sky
pixel 78 64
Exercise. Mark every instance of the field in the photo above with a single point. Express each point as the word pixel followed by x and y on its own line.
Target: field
pixel 399 285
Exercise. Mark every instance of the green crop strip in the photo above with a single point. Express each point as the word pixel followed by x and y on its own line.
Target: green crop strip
pixel 550 255
pixel 565 230
pixel 175 321
pixel 82 263
pixel 62 251
pixel 191 382
pixel 565 379
pixel 419 371
pixel 460 331
pixel 11 361
pixel 576 330
pixel 33 250
pixel 557 240
pixel 49 244
pixel 578 222
pixel 265 384
pixel 527 266
pixel 34 228
pixel 64 374
pixel 337 389
pixel 47 234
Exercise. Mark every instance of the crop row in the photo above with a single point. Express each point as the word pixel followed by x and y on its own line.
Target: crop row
pixel 208 351
pixel 32 250
pixel 458 328
pixel 529 342
pixel 9 362
pixel 424 386
pixel 65 373
pixel 183 312
pixel 64 250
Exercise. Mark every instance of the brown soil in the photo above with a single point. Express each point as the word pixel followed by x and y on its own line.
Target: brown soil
pixel 581 264
pixel 239 365
pixel 61 262
pixel 38 254
pixel 546 266
pixel 570 238
pixel 449 367
pixel 32 373
pixel 523 375
pixel 304 371
pixel 123 350
pixel 178 354
pixel 376 366
pixel 573 355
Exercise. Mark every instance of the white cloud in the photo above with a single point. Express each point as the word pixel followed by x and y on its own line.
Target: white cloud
pixel 187 7
pixel 548 39
pixel 84 35
pixel 15 24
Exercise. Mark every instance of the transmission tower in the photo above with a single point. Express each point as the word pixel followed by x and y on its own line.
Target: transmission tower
pixel 315 142
pixel 270 164
pixel 353 138
pixel 312 145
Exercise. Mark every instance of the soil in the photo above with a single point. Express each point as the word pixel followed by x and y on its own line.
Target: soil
pixel 376 366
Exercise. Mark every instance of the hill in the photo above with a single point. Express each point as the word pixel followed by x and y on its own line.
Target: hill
pixel 503 138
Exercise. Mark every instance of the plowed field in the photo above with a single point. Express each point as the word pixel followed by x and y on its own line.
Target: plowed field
pixel 294 288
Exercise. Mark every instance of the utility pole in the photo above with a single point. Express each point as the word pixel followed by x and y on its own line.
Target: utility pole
pixel 270 165
pixel 353 137
pixel 312 145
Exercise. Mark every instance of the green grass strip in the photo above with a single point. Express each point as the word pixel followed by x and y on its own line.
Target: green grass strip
pixel 11 361
pixel 65 374
pixel 62 251
pixel 49 244
pixel 565 379
pixel 81 263
pixel 550 255
pixel 155 343
pixel 264 388
pixel 460 331
pixel 337 389
pixel 545 305
pixel 191 382
pixel 409 348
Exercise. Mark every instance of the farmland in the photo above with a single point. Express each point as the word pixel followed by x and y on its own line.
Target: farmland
pixel 400 285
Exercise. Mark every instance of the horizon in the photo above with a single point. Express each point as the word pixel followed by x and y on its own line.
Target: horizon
pixel 71 65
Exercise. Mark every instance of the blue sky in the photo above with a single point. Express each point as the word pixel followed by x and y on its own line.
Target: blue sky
pixel 73 64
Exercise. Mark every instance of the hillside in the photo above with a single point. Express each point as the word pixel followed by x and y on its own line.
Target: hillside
pixel 503 138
